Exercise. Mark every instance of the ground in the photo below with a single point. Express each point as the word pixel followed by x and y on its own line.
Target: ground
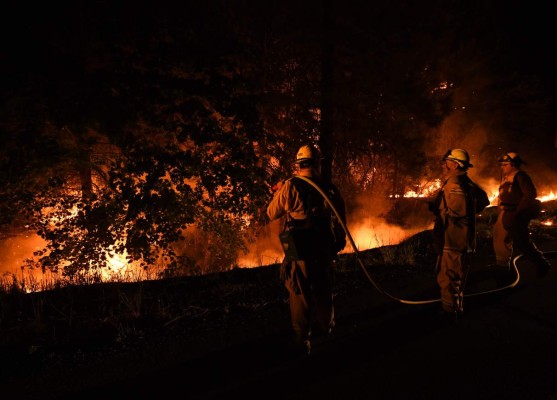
pixel 229 334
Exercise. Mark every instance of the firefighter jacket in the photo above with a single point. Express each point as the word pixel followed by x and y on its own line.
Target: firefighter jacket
pixel 454 223
pixel 308 213
pixel 287 201
pixel 517 192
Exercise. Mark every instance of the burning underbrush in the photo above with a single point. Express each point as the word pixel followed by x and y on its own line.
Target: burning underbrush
pixel 75 325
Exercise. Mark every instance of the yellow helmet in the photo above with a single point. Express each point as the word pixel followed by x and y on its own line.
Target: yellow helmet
pixel 460 156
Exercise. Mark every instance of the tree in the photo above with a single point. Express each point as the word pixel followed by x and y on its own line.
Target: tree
pixel 146 131
pixel 171 143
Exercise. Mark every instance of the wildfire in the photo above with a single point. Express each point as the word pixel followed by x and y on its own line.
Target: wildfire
pixel 367 233
pixel 428 189
pixel 548 197
pixel 425 189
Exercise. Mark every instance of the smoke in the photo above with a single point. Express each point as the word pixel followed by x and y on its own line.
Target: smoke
pixel 484 147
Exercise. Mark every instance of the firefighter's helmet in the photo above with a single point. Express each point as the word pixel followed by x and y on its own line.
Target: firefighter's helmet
pixel 306 154
pixel 512 158
pixel 460 156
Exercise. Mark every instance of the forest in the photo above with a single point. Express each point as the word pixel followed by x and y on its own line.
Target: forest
pixel 152 132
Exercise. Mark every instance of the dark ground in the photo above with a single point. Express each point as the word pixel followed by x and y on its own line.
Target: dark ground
pixel 238 345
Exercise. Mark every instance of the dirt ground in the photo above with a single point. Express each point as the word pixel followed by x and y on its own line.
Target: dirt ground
pixel 503 347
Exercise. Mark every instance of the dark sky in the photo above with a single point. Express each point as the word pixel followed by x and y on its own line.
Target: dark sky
pixel 46 38
pixel 526 28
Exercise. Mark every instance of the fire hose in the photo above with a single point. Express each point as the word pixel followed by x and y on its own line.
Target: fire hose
pixel 375 284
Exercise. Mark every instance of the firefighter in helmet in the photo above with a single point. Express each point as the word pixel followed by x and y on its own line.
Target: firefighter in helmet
pixel 517 206
pixel 454 231
pixel 308 264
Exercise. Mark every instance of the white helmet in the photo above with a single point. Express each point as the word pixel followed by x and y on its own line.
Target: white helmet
pixel 306 153
pixel 460 156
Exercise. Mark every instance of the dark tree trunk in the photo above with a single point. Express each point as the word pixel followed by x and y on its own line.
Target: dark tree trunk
pixel 326 137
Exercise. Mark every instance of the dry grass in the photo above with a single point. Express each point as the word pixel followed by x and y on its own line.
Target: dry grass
pixel 69 323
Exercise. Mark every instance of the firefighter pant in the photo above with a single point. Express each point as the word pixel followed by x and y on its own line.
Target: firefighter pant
pixel 452 268
pixel 511 238
pixel 309 284
pixel 502 242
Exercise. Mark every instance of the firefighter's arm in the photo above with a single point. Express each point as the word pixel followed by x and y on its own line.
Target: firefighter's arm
pixel 282 201
pixel 456 202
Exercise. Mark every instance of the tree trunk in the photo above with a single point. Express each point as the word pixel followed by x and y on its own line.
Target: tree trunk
pixel 326 137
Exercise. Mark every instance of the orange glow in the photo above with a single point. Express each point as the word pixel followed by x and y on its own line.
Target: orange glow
pixel 375 232
pixel 548 197
pixel 425 189
pixel 14 251
pixel 367 232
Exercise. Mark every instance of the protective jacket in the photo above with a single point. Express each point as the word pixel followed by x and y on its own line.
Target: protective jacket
pixel 308 278
pixel 454 227
pixel 454 237
pixel 517 205
pixel 517 192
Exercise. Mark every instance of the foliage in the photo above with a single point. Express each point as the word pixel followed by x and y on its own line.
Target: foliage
pixel 155 134
pixel 139 148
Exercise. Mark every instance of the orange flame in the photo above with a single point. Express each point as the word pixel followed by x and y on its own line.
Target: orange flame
pixel 367 233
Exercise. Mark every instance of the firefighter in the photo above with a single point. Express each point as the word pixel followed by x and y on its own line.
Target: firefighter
pixel 454 231
pixel 517 206
pixel 308 264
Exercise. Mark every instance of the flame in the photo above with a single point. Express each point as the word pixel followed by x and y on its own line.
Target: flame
pixel 428 189
pixel 548 197
pixel 367 233
pixel 118 264
pixel 425 189
pixel 375 232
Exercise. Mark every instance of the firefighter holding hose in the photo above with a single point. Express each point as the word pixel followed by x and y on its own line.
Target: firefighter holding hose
pixel 310 245
pixel 455 208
